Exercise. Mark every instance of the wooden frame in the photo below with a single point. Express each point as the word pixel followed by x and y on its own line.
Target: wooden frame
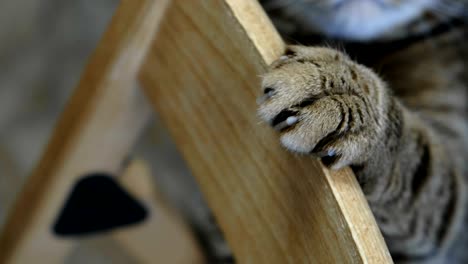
pixel 201 75
pixel 95 132
pixel 163 238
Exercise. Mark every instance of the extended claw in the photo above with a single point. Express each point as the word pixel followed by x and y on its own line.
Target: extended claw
pixel 287 123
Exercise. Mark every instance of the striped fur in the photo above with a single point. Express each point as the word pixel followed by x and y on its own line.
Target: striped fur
pixel 397 112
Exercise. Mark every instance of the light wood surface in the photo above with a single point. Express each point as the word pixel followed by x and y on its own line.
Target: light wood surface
pixel 94 133
pixel 163 237
pixel 202 75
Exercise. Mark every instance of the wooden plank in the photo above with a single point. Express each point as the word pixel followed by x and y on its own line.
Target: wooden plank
pixel 163 237
pixel 95 132
pixel 202 75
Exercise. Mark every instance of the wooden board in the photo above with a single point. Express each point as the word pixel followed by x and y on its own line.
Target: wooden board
pixel 202 76
pixel 95 133
pixel 163 238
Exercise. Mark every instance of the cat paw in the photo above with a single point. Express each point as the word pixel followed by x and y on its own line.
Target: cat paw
pixel 324 104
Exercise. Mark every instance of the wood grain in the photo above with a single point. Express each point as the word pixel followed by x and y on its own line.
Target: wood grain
pixel 94 133
pixel 202 76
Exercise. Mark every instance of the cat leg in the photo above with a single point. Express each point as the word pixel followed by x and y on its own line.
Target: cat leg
pixel 324 104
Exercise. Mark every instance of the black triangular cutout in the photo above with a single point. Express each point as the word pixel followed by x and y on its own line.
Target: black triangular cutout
pixel 96 204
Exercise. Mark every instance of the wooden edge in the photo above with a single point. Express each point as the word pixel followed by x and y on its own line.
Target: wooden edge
pixel 274 207
pixel 342 182
pixel 94 133
pixel 163 237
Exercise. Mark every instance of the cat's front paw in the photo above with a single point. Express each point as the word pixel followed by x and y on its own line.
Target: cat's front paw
pixel 324 104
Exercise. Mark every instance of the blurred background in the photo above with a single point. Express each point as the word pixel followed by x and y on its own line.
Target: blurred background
pixel 44 46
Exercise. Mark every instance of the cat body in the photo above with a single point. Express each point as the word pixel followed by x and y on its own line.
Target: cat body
pixel 391 101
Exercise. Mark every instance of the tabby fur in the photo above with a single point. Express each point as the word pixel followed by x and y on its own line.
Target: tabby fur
pixel 395 108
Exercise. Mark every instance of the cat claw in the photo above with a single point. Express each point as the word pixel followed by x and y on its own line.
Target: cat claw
pixel 325 153
pixel 287 123
pixel 265 97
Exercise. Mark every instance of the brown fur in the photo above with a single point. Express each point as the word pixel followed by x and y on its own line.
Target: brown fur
pixel 401 122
